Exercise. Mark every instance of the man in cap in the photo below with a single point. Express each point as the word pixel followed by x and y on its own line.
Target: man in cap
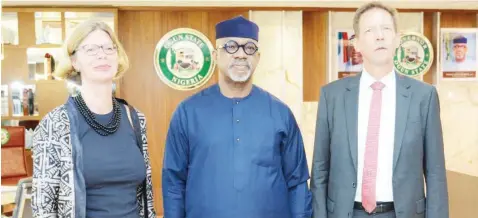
pixel 460 62
pixel 233 149
pixel 460 48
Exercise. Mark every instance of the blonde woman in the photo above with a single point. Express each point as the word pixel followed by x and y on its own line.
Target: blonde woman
pixel 90 154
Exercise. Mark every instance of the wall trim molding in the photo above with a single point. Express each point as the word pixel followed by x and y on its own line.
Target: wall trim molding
pixel 403 4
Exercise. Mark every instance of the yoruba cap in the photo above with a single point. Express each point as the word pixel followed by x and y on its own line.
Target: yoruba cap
pixel 459 39
pixel 237 27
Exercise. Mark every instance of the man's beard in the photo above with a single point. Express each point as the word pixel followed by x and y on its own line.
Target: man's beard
pixel 243 77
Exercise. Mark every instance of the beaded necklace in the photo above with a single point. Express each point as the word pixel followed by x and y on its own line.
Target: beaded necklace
pixel 90 118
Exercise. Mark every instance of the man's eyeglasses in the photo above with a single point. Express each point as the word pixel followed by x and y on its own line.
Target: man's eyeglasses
pixel 232 47
pixel 92 50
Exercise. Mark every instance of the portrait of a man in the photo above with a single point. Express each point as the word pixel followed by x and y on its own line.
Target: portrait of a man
pixel 459 52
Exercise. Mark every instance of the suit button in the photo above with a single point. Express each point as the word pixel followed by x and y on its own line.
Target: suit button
pixel 354 185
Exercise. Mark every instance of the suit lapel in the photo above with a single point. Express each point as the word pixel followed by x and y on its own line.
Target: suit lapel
pixel 401 114
pixel 351 113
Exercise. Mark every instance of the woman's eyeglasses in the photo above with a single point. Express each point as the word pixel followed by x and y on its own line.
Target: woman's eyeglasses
pixel 92 50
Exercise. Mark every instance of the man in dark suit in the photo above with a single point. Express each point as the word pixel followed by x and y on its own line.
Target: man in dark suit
pixel 378 138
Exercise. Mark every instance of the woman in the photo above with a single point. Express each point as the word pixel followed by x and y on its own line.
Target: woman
pixel 90 154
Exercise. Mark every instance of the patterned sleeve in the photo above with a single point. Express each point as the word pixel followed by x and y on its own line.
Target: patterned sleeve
pixel 149 183
pixel 46 169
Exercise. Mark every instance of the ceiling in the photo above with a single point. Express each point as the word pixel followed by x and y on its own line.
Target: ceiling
pixel 403 4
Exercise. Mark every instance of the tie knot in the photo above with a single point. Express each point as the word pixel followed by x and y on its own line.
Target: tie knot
pixel 377 86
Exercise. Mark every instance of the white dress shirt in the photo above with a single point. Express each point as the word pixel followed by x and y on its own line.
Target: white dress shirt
pixel 384 187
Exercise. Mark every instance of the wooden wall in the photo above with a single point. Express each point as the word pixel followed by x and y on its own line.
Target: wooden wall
pixel 315 32
pixel 139 31
pixel 429 22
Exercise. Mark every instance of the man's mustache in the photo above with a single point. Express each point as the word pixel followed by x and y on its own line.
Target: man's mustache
pixel 240 63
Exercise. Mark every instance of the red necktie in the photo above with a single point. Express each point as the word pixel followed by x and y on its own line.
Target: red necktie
pixel 371 149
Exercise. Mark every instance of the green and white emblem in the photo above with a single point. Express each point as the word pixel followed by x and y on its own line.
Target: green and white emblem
pixel 5 136
pixel 414 56
pixel 183 59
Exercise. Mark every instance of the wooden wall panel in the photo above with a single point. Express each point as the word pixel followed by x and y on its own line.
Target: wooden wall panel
pixel 428 25
pixel 140 31
pixel 458 20
pixel 462 188
pixel 315 33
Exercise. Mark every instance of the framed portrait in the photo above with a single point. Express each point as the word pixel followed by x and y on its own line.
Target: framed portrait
pixel 349 60
pixel 458 56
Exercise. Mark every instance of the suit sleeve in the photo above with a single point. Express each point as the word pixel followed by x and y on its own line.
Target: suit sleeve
pixel 296 171
pixel 320 163
pixel 434 162
pixel 46 171
pixel 175 166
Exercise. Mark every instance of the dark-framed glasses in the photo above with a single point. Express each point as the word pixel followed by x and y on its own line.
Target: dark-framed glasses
pixel 232 47
pixel 92 50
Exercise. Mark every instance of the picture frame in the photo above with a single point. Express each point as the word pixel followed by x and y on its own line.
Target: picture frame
pixel 348 60
pixel 458 54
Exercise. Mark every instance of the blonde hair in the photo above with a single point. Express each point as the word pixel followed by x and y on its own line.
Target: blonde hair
pixel 65 69
pixel 374 5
